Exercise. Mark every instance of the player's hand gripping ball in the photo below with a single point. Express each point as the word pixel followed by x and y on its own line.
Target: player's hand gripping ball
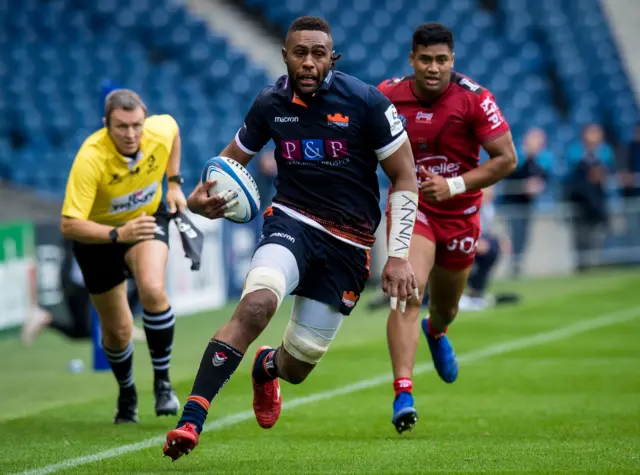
pixel 231 178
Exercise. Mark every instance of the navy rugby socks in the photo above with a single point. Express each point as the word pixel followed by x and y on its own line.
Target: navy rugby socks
pixel 265 369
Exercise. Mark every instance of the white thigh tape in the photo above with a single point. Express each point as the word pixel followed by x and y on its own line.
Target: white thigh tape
pixel 304 344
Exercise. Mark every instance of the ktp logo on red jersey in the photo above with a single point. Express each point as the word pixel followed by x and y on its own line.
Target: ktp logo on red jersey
pixel 493 113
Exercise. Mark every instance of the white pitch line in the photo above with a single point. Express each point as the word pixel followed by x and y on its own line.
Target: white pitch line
pixel 492 350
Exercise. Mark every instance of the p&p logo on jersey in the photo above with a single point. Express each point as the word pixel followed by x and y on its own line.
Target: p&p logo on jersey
pixel 314 150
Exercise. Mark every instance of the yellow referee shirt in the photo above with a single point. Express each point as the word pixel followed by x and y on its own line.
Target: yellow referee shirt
pixel 111 189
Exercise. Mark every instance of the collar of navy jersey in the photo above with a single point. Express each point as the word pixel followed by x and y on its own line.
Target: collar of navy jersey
pixel 326 84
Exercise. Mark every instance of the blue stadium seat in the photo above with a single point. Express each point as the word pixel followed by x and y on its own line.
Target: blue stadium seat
pixel 509 51
pixel 54 56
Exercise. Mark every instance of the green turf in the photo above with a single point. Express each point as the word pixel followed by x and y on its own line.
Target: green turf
pixel 566 406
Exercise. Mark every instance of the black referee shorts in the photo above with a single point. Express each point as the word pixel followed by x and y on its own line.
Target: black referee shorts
pixel 103 265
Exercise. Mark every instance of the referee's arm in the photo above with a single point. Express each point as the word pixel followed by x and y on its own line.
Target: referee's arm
pixel 85 231
pixel 82 187
pixel 173 164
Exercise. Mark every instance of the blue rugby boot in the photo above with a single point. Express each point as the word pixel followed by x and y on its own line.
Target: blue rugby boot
pixel 444 358
pixel 404 414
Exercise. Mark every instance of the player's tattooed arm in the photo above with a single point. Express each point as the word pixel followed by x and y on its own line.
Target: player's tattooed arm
pixel 503 162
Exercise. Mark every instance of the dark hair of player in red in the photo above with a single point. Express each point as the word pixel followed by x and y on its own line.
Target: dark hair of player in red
pixel 431 58
pixel 308 53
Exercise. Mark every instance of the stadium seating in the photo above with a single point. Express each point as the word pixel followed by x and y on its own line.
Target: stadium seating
pixel 55 54
pixel 511 50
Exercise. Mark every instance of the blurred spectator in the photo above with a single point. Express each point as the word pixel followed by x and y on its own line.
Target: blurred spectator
pixel 630 167
pixel 590 165
pixel 78 302
pixel 630 182
pixel 490 248
pixel 523 187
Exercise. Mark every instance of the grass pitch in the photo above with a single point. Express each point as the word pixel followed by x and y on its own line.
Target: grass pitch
pixel 549 386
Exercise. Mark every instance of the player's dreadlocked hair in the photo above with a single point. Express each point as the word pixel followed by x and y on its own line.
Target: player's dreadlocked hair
pixel 429 34
pixel 313 23
pixel 310 23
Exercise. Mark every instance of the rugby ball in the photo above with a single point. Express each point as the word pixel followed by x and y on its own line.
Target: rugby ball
pixel 231 176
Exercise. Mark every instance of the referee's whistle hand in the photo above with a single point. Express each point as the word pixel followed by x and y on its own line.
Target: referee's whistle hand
pixel 138 229
pixel 212 207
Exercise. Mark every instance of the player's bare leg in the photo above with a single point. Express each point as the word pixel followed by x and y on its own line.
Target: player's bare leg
pixel 116 322
pixel 403 336
pixel 148 262
pixel 445 289
pixel 312 327
pixel 220 360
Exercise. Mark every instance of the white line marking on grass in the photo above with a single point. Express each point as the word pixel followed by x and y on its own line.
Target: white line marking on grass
pixel 492 350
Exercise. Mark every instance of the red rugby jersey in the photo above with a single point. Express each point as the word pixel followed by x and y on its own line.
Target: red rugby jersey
pixel 446 134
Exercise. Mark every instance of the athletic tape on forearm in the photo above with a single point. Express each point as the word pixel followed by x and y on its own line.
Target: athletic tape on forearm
pixel 404 207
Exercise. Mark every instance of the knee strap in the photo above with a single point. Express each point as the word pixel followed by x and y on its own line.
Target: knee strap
pixel 266 278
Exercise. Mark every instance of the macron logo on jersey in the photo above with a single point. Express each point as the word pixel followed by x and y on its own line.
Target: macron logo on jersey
pixel 286 120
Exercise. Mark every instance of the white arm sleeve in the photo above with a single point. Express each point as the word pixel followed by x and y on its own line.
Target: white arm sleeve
pixel 404 208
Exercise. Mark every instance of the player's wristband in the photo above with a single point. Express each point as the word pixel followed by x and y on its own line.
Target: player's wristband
pixel 404 208
pixel 456 185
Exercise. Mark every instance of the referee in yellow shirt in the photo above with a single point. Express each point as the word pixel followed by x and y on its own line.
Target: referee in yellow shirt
pixel 114 214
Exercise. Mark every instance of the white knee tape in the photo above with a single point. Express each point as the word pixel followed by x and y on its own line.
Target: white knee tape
pixel 304 344
pixel 266 278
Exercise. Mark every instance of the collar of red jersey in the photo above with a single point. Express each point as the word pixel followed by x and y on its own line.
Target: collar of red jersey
pixel 428 103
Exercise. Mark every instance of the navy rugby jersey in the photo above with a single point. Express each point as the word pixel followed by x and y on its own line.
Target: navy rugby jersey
pixel 327 152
